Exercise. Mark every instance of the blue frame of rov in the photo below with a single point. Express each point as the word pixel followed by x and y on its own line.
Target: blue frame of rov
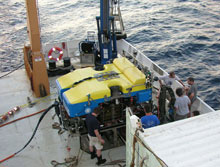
pixel 80 109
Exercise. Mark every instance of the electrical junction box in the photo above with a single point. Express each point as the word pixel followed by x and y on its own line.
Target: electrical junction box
pixel 87 59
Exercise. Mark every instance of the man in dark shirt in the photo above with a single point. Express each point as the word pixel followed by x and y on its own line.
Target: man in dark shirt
pixel 192 90
pixel 95 139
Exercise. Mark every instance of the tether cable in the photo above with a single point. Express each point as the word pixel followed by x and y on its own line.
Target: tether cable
pixel 35 130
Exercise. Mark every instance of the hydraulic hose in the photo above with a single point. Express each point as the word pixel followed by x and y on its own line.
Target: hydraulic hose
pixel 22 118
pixel 35 130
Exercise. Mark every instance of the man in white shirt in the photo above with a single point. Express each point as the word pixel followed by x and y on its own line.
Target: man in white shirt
pixel 169 79
pixel 182 105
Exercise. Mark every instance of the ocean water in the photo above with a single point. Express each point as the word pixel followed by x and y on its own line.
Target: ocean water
pixel 179 35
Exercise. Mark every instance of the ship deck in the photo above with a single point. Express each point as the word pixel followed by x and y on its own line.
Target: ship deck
pixel 47 145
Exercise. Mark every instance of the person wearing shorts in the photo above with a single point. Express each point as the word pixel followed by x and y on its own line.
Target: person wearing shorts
pixel 95 139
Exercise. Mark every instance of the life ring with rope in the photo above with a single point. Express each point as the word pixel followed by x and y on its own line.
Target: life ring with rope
pixel 54 49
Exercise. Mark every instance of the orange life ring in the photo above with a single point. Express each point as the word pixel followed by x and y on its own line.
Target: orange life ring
pixel 53 50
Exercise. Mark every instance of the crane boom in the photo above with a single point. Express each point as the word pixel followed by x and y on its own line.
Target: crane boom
pixel 106 33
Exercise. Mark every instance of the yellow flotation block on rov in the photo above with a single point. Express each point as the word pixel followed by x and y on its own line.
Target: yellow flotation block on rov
pixel 86 88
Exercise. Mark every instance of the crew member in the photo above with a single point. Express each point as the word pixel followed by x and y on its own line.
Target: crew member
pixel 192 91
pixel 169 79
pixel 95 139
pixel 181 105
pixel 149 120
